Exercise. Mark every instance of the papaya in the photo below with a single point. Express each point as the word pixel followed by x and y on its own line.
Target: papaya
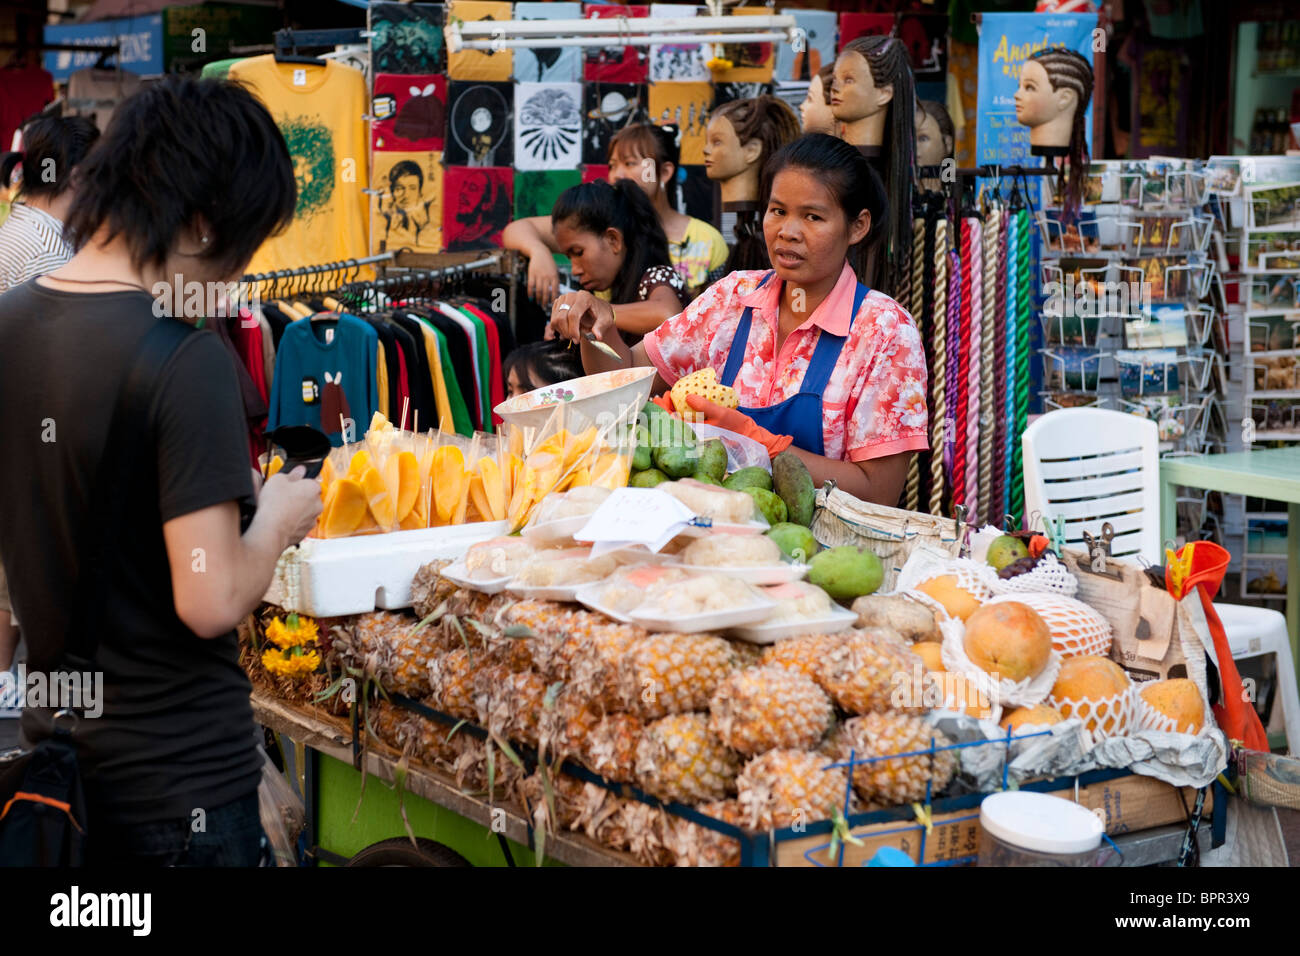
pixel 408 482
pixel 344 509
pixel 382 505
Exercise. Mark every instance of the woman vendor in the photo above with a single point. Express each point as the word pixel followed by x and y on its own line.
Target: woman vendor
pixel 822 365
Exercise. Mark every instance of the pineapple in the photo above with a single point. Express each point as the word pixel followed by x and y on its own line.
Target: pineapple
pixel 647 829
pixel 674 673
pixel 410 733
pixel 694 845
pixel 600 816
pixel 888 783
pixel 785 787
pixel 862 671
pixel 471 766
pixel 428 590
pixel 801 654
pixel 507 703
pixel 452 678
pixel 568 793
pixel 611 745
pixel 390 648
pixel 769 707
pixel 566 722
pixel 679 758
pixel 588 659
pixel 704 383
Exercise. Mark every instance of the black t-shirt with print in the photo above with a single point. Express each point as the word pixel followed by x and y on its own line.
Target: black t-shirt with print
pixel 176 732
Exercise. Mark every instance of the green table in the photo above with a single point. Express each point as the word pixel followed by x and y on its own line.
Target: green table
pixel 1272 473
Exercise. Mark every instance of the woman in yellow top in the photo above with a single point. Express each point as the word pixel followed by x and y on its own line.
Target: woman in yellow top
pixel 647 155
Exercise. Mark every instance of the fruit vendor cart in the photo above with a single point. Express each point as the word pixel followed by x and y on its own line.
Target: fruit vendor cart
pixel 428 820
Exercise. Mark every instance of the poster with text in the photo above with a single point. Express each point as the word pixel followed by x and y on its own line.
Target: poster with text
pixel 1007 40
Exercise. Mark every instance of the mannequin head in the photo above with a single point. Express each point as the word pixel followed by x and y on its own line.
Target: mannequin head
pixel 815 109
pixel 1055 88
pixel 741 137
pixel 647 155
pixel 935 136
pixel 874 99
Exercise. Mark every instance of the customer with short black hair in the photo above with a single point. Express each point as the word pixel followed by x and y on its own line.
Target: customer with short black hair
pixel 188 181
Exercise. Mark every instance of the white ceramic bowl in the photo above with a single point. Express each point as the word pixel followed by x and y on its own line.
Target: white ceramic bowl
pixel 600 398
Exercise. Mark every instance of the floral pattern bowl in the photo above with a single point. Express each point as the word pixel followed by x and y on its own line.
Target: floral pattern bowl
pixel 599 398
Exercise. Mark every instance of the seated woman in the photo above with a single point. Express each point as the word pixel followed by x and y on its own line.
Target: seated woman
pixel 823 365
pixel 539 364
pixel 615 244
pixel 646 155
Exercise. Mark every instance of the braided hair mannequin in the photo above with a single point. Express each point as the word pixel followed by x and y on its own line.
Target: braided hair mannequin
pixel 762 125
pixel 891 71
pixel 1069 72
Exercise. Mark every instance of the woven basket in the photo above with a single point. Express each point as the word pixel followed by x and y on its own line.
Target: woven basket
pixel 891 533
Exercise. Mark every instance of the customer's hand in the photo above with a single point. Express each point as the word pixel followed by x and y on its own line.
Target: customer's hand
pixel 293 502
pixel 576 313
pixel 543 277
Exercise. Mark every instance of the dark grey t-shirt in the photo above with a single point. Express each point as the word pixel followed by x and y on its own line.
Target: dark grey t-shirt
pixel 176 731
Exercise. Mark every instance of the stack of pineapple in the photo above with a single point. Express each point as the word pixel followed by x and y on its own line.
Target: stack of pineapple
pixel 746 735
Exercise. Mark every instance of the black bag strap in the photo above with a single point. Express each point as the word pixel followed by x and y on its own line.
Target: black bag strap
pixel 129 443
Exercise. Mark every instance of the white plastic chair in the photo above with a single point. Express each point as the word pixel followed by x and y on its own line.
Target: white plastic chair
pixel 1092 466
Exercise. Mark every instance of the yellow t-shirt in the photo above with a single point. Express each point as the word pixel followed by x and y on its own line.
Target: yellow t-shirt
pixel 320 111
pixel 701 250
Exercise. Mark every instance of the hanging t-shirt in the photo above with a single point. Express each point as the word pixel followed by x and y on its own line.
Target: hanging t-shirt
pixel 440 397
pixel 320 111
pixel 26 91
pixel 325 370
pixel 496 381
pixel 702 251
pixel 455 400
pixel 483 357
pixel 96 93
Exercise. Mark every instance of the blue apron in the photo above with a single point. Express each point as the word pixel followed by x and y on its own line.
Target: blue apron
pixel 800 415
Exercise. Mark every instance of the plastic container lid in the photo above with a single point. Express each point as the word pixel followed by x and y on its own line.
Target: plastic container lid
pixel 1042 823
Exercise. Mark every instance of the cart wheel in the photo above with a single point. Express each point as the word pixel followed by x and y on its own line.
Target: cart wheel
pixel 399 852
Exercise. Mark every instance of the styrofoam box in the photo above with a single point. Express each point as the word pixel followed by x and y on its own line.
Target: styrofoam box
pixel 339 576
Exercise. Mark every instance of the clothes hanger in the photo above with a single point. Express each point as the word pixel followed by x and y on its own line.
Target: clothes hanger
pixel 286 39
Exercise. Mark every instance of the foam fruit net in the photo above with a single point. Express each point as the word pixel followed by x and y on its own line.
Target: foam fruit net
pixel 1102 716
pixel 1048 574
pixel 1146 717
pixel 1077 629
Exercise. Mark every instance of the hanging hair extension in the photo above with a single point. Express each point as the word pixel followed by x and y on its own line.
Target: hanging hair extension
pixel 1069 70
pixel 887 58
pixel 598 206
pixel 772 123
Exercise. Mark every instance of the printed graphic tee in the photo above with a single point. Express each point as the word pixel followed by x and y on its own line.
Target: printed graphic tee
pixel 324 371
pixel 319 110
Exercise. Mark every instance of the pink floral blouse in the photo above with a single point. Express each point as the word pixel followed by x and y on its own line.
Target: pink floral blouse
pixel 874 404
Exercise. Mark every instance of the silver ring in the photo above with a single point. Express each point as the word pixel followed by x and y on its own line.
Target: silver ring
pixel 564 307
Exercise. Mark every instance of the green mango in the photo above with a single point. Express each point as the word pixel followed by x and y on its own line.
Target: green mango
pixel 794 540
pixel 791 480
pixel 676 461
pixel 646 479
pixel 713 461
pixel 751 477
pixel 641 457
pixel 767 504
pixel 706 479
pixel 846 573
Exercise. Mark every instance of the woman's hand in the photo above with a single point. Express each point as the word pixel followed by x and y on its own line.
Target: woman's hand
pixel 543 277
pixel 576 313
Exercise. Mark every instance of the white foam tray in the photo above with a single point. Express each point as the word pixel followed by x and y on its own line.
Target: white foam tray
pixel 759 574
pixel 336 576
pixel 771 632
pixel 709 621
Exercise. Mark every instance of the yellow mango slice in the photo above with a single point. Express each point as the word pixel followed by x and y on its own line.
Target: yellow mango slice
pixel 578 445
pixel 379 423
pixel 276 464
pixel 478 497
pixel 326 476
pixel 580 478
pixel 410 523
pixel 382 504
pixel 368 524
pixel 611 471
pixel 345 508
pixel 359 463
pixel 408 483
pixel 494 492
pixel 448 481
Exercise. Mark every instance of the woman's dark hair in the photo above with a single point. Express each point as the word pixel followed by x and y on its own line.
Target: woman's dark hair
pixel 1069 70
pixel 646 139
pixel 52 147
pixel 890 66
pixel 852 180
pixel 543 363
pixel 827 76
pixel 595 207
pixel 406 167
pixel 182 148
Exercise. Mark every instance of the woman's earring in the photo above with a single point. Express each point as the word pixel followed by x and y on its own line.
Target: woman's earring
pixel 203 239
